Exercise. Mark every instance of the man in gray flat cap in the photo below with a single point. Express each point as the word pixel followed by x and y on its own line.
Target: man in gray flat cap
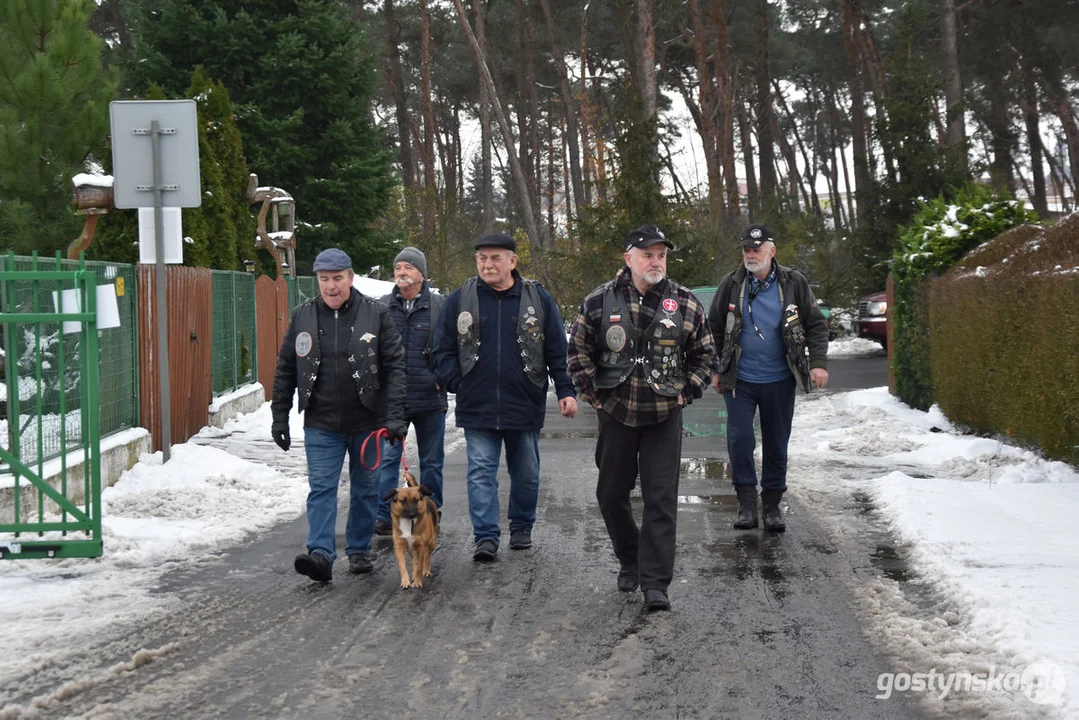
pixel 343 353
pixel 499 339
pixel 415 311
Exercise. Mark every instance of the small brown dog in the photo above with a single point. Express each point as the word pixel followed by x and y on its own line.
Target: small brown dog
pixel 415 529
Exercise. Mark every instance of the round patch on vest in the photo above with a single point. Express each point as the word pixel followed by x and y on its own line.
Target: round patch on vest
pixel 616 337
pixel 464 322
pixel 303 344
pixel 670 305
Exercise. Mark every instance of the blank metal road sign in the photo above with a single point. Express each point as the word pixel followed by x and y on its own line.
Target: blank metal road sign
pixel 132 157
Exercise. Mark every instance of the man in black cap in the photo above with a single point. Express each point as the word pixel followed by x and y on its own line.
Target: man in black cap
pixel 772 337
pixel 415 310
pixel 499 339
pixel 639 351
pixel 343 355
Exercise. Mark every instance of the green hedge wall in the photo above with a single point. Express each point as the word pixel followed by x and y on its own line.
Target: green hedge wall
pixel 940 233
pixel 1004 329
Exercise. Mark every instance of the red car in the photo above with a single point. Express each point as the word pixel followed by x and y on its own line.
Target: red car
pixel 872 320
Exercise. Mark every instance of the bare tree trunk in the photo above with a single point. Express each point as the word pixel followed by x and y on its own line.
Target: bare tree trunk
pixel 479 11
pixel 747 160
pixel 570 108
pixel 813 202
pixel 1057 97
pixel 529 108
pixel 551 187
pixel 706 124
pixel 1059 183
pixel 1001 140
pixel 727 95
pixel 955 138
pixel 395 79
pixel 765 139
pixel 586 113
pixel 646 37
pixel 430 192
pixel 1029 105
pixel 863 180
pixel 504 127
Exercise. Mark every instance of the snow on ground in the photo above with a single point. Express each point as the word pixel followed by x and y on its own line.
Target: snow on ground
pixel 851 346
pixel 989 532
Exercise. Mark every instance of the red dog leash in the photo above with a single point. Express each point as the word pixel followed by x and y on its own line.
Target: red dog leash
pixel 380 433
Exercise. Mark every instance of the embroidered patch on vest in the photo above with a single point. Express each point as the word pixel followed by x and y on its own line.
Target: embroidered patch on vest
pixel 367 337
pixel 616 337
pixel 464 322
pixel 303 344
pixel 670 305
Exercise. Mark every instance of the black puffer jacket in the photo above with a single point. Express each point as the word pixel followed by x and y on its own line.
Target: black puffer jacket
pixel 806 330
pixel 417 336
pixel 332 366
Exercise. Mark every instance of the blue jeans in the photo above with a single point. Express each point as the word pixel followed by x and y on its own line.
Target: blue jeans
pixel 776 403
pixel 484 449
pixel 325 458
pixel 431 438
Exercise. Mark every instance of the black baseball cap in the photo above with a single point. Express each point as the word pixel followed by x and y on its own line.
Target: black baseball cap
pixel 757 235
pixel 646 236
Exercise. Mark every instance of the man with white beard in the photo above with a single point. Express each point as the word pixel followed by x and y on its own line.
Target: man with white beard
pixel 771 337
pixel 639 351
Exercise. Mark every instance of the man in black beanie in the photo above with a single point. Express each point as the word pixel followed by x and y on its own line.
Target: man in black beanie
pixel 415 310
pixel 500 338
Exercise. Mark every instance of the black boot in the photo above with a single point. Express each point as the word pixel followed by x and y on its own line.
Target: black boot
pixel 747 507
pixel 773 518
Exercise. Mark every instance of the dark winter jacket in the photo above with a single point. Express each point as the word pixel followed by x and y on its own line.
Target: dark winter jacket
pixel 417 336
pixel 804 329
pixel 497 394
pixel 348 365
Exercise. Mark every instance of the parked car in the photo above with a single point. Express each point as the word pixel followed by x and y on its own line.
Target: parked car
pixel 706 293
pixel 872 320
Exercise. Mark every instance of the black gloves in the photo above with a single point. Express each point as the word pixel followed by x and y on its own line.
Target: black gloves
pixel 279 431
pixel 397 430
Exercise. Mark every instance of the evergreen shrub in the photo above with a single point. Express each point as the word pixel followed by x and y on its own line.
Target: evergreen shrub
pixel 1004 328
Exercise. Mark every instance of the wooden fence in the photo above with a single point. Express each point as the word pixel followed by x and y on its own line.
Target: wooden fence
pixel 271 301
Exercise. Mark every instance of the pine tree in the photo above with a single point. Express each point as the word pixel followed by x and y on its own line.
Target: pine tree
pixel 54 95
pixel 301 83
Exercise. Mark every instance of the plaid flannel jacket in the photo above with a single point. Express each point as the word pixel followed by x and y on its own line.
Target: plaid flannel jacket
pixel 633 402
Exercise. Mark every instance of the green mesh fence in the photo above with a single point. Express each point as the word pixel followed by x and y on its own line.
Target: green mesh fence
pixel 57 354
pixel 306 288
pixel 233 345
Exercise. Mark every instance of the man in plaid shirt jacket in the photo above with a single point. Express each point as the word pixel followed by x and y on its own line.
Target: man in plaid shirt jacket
pixel 639 351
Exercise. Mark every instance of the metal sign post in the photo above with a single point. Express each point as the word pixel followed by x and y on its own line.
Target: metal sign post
pixel 138 174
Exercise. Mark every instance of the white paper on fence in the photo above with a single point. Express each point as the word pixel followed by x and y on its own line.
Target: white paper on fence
pixel 173 227
pixel 108 310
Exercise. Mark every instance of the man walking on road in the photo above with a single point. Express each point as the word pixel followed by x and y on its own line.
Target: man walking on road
pixel 415 311
pixel 343 353
pixel 500 337
pixel 786 344
pixel 639 351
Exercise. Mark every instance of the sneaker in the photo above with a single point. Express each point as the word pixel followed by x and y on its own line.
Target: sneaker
pixel 485 550
pixel 383 527
pixel 359 563
pixel 521 539
pixel 656 599
pixel 627 579
pixel 314 565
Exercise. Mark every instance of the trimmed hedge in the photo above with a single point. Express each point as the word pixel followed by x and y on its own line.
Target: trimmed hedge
pixel 939 234
pixel 1004 329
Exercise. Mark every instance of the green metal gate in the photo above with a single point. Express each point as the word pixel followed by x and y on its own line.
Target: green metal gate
pixel 50 414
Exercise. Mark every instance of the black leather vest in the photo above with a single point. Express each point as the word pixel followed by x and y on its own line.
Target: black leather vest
pixel 658 350
pixel 362 356
pixel 530 320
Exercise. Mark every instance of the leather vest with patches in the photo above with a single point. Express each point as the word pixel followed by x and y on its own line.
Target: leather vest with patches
pixel 658 350
pixel 362 355
pixel 530 320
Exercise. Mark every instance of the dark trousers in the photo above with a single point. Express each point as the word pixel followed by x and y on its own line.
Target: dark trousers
pixel 776 404
pixel 655 451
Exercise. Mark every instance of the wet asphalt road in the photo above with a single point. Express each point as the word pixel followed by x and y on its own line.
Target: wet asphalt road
pixel 762 626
